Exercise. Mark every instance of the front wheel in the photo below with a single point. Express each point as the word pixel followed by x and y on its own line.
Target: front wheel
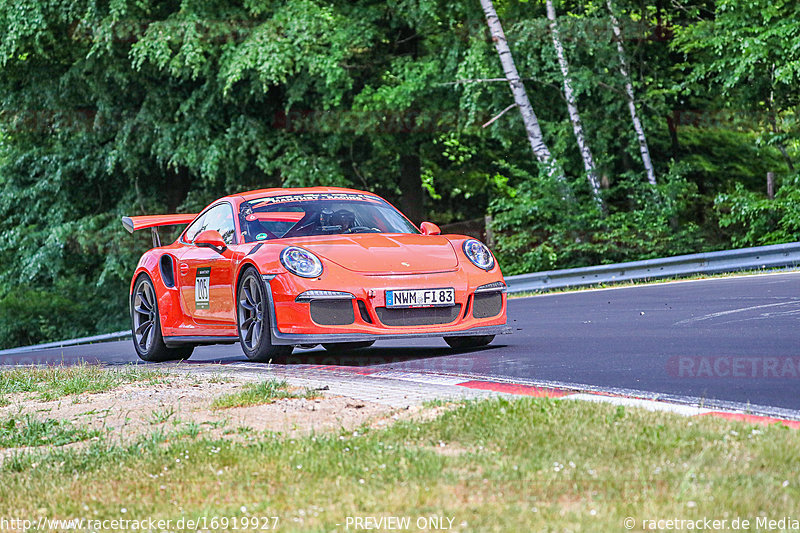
pixel 252 319
pixel 146 326
pixel 469 342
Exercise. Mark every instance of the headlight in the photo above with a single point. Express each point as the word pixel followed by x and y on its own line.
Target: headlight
pixel 479 254
pixel 301 262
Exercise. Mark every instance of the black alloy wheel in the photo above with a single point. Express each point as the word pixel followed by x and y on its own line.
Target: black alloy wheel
pixel 252 319
pixel 146 326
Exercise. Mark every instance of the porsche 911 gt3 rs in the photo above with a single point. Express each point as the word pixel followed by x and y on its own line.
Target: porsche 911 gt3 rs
pixel 278 268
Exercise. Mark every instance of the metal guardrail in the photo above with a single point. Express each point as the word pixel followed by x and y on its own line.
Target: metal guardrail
pixel 118 335
pixel 758 258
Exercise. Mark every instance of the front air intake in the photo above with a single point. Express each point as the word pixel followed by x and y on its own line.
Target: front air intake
pixel 424 316
pixel 487 304
pixel 332 312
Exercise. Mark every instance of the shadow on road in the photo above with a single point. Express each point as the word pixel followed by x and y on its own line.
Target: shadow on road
pixel 428 358
pixel 373 357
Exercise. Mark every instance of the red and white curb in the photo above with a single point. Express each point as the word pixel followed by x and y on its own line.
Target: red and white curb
pixel 680 405
pixel 566 394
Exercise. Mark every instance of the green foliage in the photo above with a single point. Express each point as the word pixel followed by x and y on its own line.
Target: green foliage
pixel 28 314
pixel 747 41
pixel 716 156
pixel 653 224
pixel 755 220
pixel 749 53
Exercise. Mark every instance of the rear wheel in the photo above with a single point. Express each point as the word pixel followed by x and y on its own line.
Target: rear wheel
pixel 252 319
pixel 146 326
pixel 347 346
pixel 469 342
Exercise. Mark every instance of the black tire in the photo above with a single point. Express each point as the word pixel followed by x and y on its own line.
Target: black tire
pixel 252 320
pixel 347 346
pixel 476 341
pixel 146 326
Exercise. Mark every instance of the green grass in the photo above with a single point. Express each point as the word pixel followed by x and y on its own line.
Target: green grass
pixel 496 465
pixel 260 393
pixel 17 431
pixel 219 377
pixel 52 382
pixel 159 416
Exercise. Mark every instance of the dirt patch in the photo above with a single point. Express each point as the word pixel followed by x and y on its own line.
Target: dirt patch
pixel 183 403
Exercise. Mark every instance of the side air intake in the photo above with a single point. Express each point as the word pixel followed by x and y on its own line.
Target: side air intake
pixel 167 266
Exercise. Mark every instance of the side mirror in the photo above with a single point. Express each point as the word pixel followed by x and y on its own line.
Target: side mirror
pixel 210 238
pixel 429 228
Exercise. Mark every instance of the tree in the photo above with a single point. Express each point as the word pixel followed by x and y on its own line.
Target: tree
pixel 624 72
pixel 532 129
pixel 749 52
pixel 572 107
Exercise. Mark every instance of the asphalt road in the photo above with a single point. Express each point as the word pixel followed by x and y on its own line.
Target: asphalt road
pixel 728 339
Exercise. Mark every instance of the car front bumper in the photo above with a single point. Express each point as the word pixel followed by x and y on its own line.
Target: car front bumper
pixel 300 329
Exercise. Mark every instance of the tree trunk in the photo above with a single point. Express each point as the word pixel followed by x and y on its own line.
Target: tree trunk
pixel 411 186
pixel 771 185
pixel 572 107
pixel 637 124
pixel 773 121
pixel 672 127
pixel 529 119
pixel 177 188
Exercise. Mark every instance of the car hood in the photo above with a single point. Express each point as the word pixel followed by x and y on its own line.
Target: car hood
pixel 385 253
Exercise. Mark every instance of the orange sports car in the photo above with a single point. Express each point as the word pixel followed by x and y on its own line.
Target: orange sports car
pixel 279 268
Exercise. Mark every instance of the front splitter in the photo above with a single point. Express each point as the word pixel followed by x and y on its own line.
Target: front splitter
pixel 279 338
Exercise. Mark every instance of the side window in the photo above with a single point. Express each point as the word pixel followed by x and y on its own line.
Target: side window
pixel 195 229
pixel 220 218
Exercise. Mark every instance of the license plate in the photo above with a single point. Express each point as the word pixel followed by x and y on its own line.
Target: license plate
pixel 421 298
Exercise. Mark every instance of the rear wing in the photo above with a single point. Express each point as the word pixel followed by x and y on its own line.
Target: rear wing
pixel 154 221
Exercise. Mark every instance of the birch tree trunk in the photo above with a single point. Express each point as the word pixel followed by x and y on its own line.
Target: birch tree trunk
pixel 572 107
pixel 637 124
pixel 521 100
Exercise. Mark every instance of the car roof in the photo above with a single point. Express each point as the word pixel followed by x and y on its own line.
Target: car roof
pixel 262 193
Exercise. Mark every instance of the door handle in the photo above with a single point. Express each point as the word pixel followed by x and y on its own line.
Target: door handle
pixel 184 269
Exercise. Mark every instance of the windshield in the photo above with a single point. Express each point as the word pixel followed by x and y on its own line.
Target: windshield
pixel 301 215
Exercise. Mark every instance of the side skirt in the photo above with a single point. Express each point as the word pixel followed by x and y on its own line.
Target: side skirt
pixel 198 340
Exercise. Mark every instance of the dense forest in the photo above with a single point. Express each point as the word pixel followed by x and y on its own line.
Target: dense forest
pixel 122 107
